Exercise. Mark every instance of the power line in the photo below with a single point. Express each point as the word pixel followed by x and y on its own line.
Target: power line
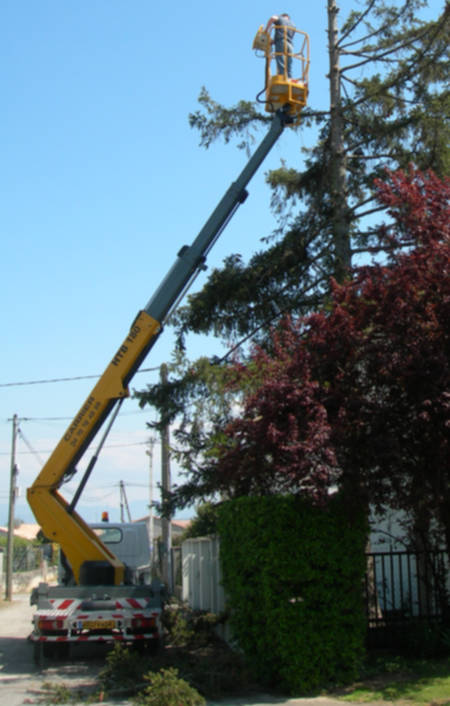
pixel 69 419
pixel 69 379
pixel 28 445
pixel 47 451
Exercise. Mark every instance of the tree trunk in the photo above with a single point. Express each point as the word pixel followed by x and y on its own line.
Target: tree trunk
pixel 338 189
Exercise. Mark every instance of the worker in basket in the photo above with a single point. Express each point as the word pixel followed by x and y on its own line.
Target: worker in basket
pixel 283 42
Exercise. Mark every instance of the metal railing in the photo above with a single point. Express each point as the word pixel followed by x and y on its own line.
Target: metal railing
pixel 27 558
pixel 403 588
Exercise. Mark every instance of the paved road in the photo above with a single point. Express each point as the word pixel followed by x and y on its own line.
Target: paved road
pixel 15 653
pixel 267 700
pixel 21 681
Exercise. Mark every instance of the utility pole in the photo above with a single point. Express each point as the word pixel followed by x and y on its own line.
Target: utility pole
pixel 166 486
pixel 124 503
pixel 12 499
pixel 338 167
pixel 149 453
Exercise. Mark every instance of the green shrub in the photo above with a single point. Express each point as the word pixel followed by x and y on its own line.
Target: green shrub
pixel 56 693
pixel 293 575
pixel 123 669
pixel 176 624
pixel 187 627
pixel 167 689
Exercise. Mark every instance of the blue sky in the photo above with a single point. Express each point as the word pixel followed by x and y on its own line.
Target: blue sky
pixel 102 182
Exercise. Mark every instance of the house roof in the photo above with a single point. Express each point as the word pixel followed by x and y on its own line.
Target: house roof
pixel 24 531
pixel 177 525
pixel 180 523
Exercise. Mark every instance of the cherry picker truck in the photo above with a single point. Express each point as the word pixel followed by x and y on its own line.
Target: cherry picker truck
pixel 103 595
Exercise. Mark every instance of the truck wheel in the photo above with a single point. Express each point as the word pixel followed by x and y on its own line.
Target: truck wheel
pixel 38 654
pixel 43 651
pixel 48 650
pixel 148 646
pixel 153 646
pixel 62 650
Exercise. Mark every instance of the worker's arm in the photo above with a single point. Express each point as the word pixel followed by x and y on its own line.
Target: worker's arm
pixel 271 21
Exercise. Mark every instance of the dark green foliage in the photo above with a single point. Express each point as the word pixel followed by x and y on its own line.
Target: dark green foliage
pixel 228 122
pixel 27 555
pixel 293 574
pixel 204 523
pixel 123 669
pixel 192 649
pixel 392 109
pixel 167 689
pixel 189 628
pixel 18 542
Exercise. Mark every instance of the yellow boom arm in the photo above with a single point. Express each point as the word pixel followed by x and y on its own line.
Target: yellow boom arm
pixel 59 524
pixel 87 555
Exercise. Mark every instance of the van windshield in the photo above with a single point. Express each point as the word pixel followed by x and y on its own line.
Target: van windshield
pixel 109 535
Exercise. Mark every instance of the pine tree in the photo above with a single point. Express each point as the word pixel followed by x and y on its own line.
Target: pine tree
pixel 396 114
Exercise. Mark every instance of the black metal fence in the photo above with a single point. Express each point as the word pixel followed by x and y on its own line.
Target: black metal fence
pixel 404 589
pixel 27 558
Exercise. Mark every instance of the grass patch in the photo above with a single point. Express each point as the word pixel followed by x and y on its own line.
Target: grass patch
pixel 415 681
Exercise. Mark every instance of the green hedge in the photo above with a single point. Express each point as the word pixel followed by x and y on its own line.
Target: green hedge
pixel 293 576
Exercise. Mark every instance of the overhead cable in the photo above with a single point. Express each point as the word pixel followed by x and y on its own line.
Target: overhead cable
pixel 69 379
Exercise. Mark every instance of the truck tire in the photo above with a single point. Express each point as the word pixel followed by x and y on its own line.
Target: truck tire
pixel 61 650
pixel 153 646
pixel 38 654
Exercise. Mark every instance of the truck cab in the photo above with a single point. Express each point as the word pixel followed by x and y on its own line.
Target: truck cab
pixel 128 541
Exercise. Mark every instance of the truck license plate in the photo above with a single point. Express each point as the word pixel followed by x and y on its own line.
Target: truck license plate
pixel 99 624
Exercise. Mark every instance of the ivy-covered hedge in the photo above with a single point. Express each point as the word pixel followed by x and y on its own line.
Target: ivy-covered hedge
pixel 293 575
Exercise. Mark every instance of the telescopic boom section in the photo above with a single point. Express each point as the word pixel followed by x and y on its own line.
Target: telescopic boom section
pixel 58 519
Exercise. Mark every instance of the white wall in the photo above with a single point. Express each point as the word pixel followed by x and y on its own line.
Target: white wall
pixel 202 579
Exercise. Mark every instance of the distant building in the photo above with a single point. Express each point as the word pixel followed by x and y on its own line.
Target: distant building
pixel 178 526
pixel 24 531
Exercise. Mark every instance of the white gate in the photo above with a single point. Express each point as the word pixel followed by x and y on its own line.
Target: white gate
pixel 202 579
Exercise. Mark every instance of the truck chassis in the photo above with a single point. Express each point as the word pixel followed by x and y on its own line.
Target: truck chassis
pixel 68 615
